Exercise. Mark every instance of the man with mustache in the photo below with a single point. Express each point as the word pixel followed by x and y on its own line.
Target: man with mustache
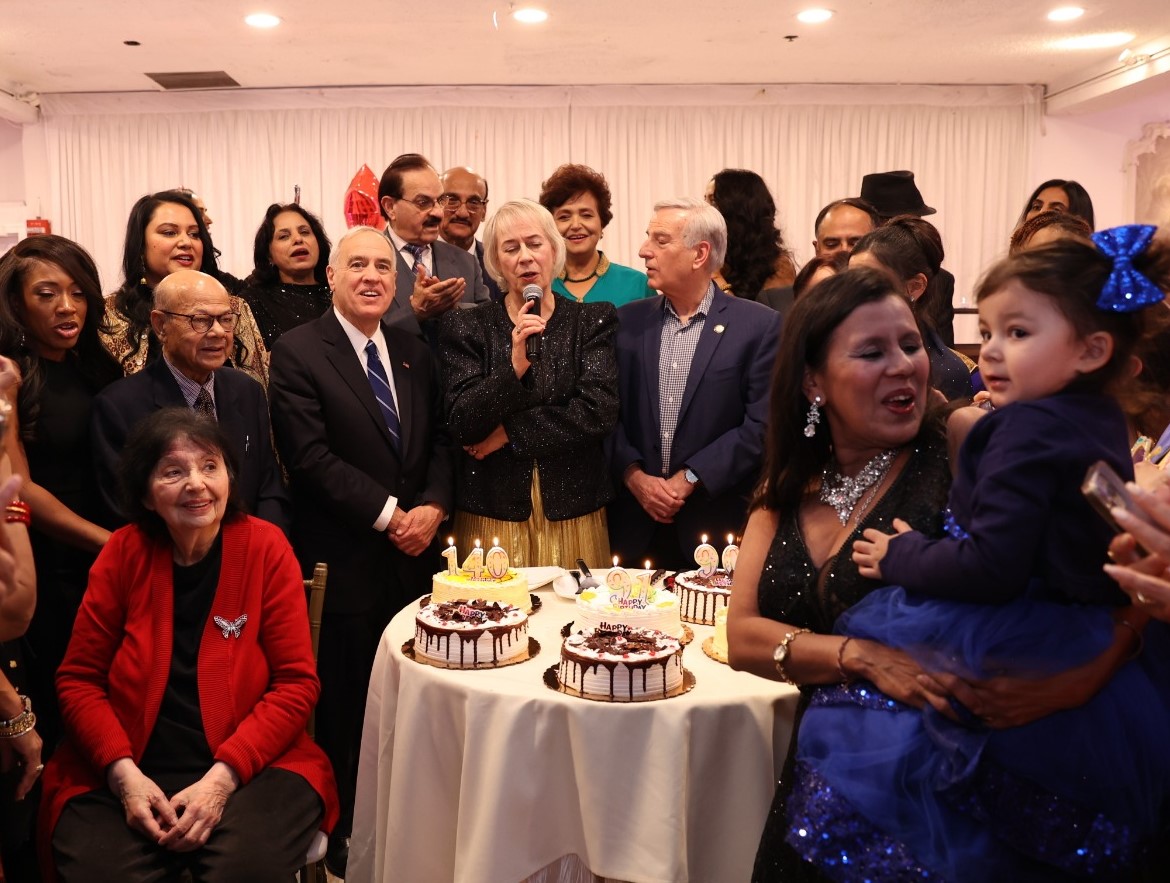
pixel 464 202
pixel 195 321
pixel 432 276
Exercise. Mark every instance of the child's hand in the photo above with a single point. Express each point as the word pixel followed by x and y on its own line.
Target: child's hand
pixel 868 553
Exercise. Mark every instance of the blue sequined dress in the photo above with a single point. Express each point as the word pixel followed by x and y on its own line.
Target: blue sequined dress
pixel 884 792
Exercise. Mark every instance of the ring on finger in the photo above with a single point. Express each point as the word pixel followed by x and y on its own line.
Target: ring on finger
pixel 1141 599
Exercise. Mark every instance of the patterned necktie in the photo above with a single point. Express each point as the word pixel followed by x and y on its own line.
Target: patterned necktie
pixel 381 386
pixel 416 252
pixel 203 403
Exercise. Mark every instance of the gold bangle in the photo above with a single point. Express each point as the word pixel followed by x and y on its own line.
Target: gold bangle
pixel 1141 641
pixel 20 724
pixel 841 661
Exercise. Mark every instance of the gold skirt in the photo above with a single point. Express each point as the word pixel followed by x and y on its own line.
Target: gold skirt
pixel 538 542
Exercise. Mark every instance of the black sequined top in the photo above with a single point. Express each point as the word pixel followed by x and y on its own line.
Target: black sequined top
pixel 791 589
pixel 557 416
pixel 279 307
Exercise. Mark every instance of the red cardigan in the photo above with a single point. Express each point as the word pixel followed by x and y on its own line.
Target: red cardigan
pixel 255 690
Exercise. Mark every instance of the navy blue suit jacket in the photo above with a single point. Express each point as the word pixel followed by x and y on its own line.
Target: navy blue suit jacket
pixel 242 412
pixel 720 431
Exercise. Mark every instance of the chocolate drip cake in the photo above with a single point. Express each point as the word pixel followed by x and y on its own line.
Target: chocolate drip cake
pixel 621 664
pixel 470 634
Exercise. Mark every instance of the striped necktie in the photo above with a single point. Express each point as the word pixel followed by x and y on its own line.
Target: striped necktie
pixel 380 383
pixel 416 251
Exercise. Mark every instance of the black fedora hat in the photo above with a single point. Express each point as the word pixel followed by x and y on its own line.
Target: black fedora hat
pixel 894 193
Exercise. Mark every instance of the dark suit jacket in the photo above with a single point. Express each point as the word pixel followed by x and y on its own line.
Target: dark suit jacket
pixel 720 432
pixel 447 262
pixel 334 442
pixel 493 288
pixel 242 412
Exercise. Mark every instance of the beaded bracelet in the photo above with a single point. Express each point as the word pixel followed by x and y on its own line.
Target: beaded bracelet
pixel 18 512
pixel 20 724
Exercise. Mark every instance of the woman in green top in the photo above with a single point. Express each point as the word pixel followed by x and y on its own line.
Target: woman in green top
pixel 578 199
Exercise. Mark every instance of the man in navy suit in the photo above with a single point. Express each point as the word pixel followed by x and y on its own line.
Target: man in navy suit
pixel 357 408
pixel 694 371
pixel 464 202
pixel 194 320
pixel 432 276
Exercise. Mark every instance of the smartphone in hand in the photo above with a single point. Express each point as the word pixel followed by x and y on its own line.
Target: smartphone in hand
pixel 1105 489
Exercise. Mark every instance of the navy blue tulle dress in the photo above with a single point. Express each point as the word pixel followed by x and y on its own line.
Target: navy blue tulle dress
pixel 882 791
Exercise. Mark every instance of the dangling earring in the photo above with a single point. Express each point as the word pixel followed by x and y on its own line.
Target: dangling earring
pixel 814 417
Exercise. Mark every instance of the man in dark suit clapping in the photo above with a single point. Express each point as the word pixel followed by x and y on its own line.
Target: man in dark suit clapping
pixel 357 410
pixel 694 370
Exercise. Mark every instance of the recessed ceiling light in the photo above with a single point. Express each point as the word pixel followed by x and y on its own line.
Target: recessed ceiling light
pixel 1066 13
pixel 529 15
pixel 262 20
pixel 1095 41
pixel 814 16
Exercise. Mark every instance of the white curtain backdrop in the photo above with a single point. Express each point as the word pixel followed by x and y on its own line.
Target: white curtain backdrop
pixel 970 149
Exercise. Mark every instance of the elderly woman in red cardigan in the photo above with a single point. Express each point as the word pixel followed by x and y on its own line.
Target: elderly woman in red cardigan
pixel 187 685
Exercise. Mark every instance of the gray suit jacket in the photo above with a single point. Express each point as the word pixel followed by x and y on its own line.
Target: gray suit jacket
pixel 447 262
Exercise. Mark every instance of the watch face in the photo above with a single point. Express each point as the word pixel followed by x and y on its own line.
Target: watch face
pixel 780 653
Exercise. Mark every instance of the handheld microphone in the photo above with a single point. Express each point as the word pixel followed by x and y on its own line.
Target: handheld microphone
pixel 533 293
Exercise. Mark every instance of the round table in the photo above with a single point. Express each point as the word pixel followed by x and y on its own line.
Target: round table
pixel 489 776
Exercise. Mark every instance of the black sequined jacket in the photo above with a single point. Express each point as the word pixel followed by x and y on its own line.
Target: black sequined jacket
pixel 556 416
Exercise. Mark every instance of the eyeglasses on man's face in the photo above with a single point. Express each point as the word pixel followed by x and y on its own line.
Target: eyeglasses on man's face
pixel 202 322
pixel 450 202
pixel 422 202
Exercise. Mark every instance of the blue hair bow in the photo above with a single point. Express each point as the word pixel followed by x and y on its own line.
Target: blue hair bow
pixel 1126 290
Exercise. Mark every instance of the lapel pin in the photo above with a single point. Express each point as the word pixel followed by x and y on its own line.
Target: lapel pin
pixel 719 329
pixel 230 628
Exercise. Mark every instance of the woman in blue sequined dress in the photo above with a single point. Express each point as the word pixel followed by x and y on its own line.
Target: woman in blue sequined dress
pixel 967 789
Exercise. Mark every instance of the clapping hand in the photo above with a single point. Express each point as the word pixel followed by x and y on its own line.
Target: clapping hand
pixel 433 296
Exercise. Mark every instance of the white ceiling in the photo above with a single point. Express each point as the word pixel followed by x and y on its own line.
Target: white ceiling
pixel 77 45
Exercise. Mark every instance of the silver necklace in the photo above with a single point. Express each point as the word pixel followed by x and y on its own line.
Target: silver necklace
pixel 842 492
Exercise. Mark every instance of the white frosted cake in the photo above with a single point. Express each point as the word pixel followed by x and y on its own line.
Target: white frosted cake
pixel 702 596
pixel 511 589
pixel 467 634
pixel 621 664
pixel 599 607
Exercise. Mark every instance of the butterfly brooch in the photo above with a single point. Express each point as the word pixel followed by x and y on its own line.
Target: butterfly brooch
pixel 230 628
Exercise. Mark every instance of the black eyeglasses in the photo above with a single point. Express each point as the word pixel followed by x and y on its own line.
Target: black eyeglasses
pixel 450 202
pixel 201 322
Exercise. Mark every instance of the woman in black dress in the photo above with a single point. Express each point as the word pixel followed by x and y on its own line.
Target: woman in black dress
pixel 50 311
pixel 288 286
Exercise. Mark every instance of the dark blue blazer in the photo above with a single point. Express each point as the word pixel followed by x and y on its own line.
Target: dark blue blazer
pixel 720 432
pixel 242 412
pixel 1017 497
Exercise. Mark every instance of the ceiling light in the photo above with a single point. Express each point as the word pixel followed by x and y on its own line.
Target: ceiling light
pixel 1066 13
pixel 814 16
pixel 1095 41
pixel 529 15
pixel 262 20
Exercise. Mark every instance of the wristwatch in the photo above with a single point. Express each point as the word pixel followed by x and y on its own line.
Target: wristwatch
pixel 690 476
pixel 780 654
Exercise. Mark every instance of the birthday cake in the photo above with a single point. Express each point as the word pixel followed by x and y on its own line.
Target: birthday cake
pixel 470 634
pixel 511 588
pixel 621 664
pixel 702 596
pixel 652 607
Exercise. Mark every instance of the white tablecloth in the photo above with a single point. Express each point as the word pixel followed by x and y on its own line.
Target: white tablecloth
pixel 489 776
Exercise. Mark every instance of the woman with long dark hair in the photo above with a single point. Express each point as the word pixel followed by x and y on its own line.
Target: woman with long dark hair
pixel 51 310
pixel 166 232
pixel 1059 195
pixel 757 260
pixel 288 287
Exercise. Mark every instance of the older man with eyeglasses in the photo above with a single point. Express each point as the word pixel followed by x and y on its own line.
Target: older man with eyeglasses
pixel 464 203
pixel 433 276
pixel 195 321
